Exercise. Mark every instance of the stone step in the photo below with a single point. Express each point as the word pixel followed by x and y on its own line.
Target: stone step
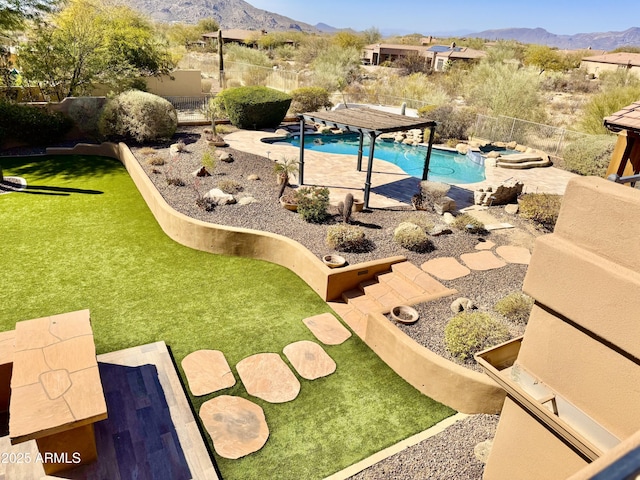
pixel 361 302
pixel 352 317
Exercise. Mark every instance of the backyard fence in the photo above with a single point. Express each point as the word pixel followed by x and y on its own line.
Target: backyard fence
pixel 190 109
pixel 377 99
pixel 238 74
pixel 547 138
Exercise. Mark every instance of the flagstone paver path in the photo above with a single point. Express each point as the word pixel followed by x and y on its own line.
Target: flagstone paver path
pixel 207 371
pixel 483 260
pixel 445 268
pixel 237 426
pixel 309 359
pixel 512 254
pixel 266 376
pixel 487 245
pixel 327 328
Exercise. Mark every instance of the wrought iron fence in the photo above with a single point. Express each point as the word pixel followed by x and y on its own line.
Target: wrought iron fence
pixel 551 140
pixel 190 109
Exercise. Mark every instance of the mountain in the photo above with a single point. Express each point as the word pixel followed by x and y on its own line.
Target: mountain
pixel 597 41
pixel 228 13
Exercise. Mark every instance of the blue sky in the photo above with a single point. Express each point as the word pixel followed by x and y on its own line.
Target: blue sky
pixel 433 17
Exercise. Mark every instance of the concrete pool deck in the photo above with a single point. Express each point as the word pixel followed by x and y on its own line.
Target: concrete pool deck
pixel 390 186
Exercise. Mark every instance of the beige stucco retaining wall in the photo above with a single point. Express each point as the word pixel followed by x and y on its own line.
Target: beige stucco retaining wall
pixel 460 388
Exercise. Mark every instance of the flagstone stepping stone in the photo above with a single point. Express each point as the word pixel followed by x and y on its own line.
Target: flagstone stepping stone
pixel 309 359
pixel 236 425
pixel 207 371
pixel 513 254
pixel 266 376
pixel 445 268
pixel 327 329
pixel 484 260
pixel 486 245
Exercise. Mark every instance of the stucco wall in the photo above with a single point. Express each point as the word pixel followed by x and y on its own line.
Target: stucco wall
pixel 454 385
pixel 582 337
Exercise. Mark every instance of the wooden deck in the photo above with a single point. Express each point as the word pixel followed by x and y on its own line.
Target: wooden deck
pixel 150 433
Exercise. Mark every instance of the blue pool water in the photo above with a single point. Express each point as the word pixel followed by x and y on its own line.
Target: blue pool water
pixel 445 166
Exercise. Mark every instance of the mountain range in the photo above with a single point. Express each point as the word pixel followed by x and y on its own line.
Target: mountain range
pixel 242 15
pixel 597 41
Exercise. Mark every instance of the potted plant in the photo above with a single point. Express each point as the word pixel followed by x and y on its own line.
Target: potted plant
pixel 289 201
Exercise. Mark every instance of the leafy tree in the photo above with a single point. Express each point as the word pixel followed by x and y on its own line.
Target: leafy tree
pixel 89 42
pixel 336 67
pixel 371 35
pixel 505 51
pixel 505 89
pixel 346 39
pixel 14 12
pixel 543 57
pixel 182 33
pixel 413 63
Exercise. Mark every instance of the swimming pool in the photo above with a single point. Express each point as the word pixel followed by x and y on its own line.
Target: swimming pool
pixel 445 166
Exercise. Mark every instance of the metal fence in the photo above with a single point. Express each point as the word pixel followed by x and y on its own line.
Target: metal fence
pixel 190 109
pixel 547 138
pixel 377 99
pixel 238 74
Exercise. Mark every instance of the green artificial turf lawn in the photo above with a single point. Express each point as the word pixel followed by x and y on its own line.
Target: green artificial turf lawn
pixel 82 237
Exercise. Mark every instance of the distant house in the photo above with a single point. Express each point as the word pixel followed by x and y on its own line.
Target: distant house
pixel 435 56
pixel 247 38
pixel 611 62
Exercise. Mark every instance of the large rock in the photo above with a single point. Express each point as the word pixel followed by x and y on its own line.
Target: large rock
pixel 225 157
pixel 498 195
pixel 218 197
pixel 201 172
pixel 463 148
pixel 445 204
pixel 462 304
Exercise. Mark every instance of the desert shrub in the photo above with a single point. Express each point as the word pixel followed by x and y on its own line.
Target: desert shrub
pixel 138 115
pixel 419 219
pixel 347 238
pixel 209 160
pixel 429 193
pixel 470 332
pixel 453 123
pixel 604 104
pixel 309 99
pixel 467 223
pixel 255 107
pixel 155 160
pixel 229 186
pixel 85 113
pixel 516 306
pixel 589 155
pixel 412 237
pixel 542 208
pixel 175 181
pixel 31 125
pixel 313 203
pixel 147 151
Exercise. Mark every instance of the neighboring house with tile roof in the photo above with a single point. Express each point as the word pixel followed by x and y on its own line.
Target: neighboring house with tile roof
pixel 247 38
pixel 611 62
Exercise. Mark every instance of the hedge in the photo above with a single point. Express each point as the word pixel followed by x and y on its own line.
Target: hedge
pixel 255 107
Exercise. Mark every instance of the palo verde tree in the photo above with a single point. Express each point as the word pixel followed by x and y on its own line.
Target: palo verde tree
pixel 13 13
pixel 89 42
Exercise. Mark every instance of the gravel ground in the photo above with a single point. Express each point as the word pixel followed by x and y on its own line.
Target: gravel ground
pixel 448 455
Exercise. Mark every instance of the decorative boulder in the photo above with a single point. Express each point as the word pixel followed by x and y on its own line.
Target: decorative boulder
pixel 225 157
pixel 444 204
pixel 500 195
pixel 218 197
pixel 201 172
pixel 462 148
pixel 462 304
pixel 440 230
pixel 253 177
pixel 493 154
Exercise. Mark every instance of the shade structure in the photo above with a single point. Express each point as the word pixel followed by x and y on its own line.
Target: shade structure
pixel 366 121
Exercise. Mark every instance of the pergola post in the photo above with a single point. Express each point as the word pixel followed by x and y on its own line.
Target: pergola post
pixel 360 150
pixel 367 184
pixel 425 171
pixel 301 157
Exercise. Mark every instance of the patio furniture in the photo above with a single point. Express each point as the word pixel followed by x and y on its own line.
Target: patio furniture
pixel 56 393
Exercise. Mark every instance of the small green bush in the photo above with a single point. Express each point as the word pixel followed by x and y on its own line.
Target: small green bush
pixel 542 208
pixel 470 332
pixel 309 99
pixel 347 238
pixel 313 203
pixel 467 223
pixel 412 237
pixel 255 107
pixel 419 219
pixel 516 306
pixel 229 186
pixel 589 155
pixel 138 115
pixel 32 125
pixel 85 113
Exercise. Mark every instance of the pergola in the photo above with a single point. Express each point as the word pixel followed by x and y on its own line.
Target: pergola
pixel 625 160
pixel 373 123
